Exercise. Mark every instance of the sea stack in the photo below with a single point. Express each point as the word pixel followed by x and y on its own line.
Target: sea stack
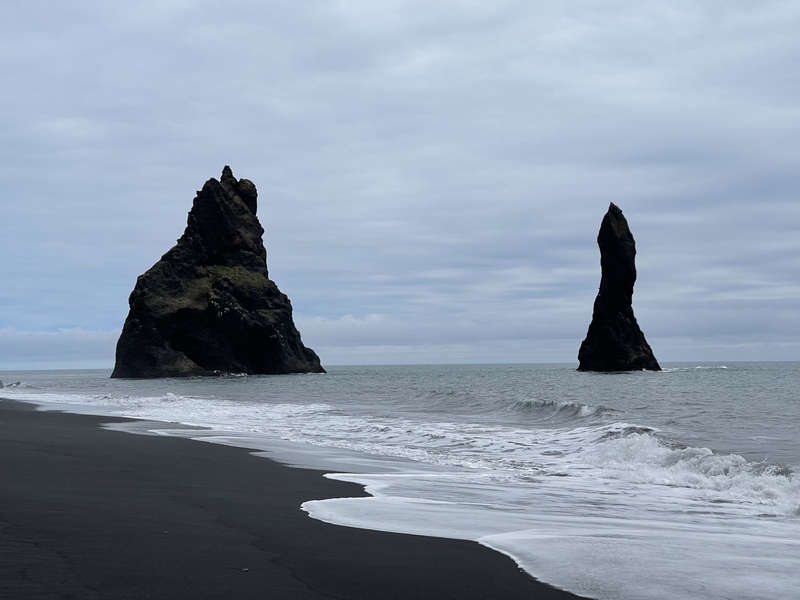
pixel 614 341
pixel 208 307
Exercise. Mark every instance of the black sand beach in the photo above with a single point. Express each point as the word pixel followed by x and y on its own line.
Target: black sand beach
pixel 90 513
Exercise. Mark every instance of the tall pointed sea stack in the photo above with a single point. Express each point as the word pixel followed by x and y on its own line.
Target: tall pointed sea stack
pixel 208 306
pixel 614 341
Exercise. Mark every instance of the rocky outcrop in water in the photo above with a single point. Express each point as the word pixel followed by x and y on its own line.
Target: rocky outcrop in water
pixel 614 341
pixel 208 306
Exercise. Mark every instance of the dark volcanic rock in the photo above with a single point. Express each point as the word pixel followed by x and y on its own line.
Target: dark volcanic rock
pixel 614 341
pixel 208 306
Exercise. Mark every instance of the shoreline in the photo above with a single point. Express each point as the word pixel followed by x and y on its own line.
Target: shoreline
pixel 91 512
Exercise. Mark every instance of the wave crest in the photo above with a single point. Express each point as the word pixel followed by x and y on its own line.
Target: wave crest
pixel 640 457
pixel 550 408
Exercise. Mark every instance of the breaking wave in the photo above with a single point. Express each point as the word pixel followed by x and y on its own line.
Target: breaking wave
pixel 563 411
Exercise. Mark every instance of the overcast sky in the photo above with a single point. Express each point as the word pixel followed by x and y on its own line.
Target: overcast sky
pixel 431 174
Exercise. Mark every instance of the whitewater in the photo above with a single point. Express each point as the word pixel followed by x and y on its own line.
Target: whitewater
pixel 676 484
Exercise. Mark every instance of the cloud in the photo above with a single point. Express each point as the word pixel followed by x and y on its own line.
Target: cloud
pixel 65 349
pixel 432 164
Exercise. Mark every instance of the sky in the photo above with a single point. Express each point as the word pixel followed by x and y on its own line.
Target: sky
pixel 431 175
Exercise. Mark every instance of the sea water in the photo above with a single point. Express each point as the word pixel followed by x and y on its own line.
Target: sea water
pixel 679 484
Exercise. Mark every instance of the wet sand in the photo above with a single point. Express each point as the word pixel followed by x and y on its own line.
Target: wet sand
pixel 89 513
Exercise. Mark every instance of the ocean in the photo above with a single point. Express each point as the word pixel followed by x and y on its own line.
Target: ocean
pixel 683 483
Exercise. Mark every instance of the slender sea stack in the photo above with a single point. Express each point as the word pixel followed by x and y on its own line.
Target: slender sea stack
pixel 614 341
pixel 208 306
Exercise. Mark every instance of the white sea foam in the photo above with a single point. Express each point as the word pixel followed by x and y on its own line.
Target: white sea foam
pixel 616 452
pixel 602 527
pixel 642 458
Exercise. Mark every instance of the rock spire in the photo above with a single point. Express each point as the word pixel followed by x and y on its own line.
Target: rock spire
pixel 614 341
pixel 208 306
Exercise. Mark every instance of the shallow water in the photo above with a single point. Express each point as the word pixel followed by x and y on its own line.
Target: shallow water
pixel 632 485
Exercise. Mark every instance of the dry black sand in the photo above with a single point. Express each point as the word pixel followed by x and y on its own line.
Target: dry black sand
pixel 88 513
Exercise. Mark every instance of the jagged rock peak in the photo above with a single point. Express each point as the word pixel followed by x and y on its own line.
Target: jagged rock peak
pixel 222 222
pixel 614 341
pixel 208 306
